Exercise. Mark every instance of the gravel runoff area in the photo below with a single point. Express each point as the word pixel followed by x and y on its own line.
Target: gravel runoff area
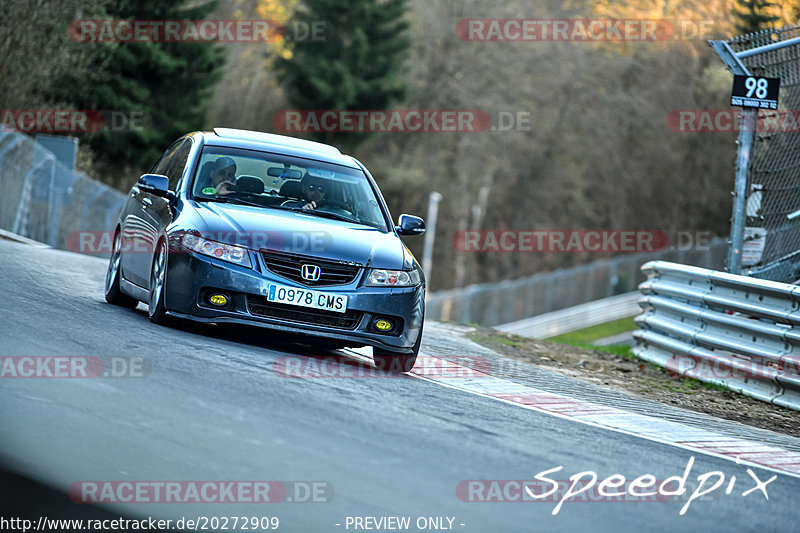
pixel 640 378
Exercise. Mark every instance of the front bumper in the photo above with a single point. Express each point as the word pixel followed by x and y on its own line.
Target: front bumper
pixel 191 276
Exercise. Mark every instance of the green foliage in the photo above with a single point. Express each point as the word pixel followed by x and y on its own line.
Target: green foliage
pixel 358 65
pixel 587 335
pixel 753 15
pixel 170 83
pixel 35 49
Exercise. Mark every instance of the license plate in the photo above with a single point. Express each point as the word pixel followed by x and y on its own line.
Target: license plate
pixel 306 298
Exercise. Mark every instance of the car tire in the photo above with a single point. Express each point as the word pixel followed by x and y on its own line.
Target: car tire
pixel 114 294
pixel 156 309
pixel 390 361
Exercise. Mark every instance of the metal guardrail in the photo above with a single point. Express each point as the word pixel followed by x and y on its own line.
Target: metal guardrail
pixel 491 304
pixel 575 318
pixel 43 200
pixel 738 332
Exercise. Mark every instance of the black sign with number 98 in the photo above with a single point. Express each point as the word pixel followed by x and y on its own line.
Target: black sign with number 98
pixel 753 91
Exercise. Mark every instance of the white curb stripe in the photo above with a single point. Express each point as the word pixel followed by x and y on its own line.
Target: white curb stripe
pixel 682 436
pixel 665 431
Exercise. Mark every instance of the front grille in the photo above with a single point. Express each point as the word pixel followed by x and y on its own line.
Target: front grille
pixel 260 306
pixel 289 266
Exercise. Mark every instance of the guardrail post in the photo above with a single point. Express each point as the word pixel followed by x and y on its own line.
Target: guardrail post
pixel 734 63
pixel 427 252
pixel 740 191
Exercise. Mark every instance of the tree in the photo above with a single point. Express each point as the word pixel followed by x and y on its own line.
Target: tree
pixel 279 11
pixel 35 50
pixel 358 66
pixel 168 82
pixel 754 15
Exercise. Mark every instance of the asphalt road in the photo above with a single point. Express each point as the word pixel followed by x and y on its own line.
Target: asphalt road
pixel 212 407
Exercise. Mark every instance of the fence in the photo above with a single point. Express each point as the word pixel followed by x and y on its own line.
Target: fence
pixel 767 194
pixel 739 332
pixel 45 201
pixel 492 304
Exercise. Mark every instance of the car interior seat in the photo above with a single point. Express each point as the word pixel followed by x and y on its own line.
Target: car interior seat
pixel 249 184
pixel 291 189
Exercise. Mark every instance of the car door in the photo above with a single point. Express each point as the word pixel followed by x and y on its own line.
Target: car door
pixel 158 211
pixel 139 227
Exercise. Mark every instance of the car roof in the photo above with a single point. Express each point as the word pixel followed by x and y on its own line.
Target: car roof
pixel 282 144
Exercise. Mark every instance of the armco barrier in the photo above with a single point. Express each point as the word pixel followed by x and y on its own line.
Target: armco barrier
pixel 491 304
pixel 43 200
pixel 739 332
pixel 574 318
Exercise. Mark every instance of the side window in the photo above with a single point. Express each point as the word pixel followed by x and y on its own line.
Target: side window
pixel 179 160
pixel 163 163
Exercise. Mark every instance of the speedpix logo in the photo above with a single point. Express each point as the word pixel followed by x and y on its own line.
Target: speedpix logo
pixel 587 486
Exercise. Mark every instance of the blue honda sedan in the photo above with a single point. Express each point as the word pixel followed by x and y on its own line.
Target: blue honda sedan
pixel 235 226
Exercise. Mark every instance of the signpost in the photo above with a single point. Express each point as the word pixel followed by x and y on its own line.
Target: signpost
pixel 755 92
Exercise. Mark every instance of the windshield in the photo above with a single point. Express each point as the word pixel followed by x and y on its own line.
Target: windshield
pixel 273 181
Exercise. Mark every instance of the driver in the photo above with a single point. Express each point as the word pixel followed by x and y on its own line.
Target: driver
pixel 312 190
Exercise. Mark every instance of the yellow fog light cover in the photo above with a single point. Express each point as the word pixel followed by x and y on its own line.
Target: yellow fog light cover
pixel 384 325
pixel 218 299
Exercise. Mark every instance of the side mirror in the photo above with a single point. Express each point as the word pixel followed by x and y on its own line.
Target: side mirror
pixel 410 225
pixel 154 184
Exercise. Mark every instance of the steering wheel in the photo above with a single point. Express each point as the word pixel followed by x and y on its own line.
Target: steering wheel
pixel 335 207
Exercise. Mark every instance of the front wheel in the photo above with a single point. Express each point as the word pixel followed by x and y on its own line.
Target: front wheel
pixel 114 294
pixel 389 361
pixel 156 310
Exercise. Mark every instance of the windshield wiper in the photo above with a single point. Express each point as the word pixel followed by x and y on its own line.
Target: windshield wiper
pixel 324 214
pixel 228 200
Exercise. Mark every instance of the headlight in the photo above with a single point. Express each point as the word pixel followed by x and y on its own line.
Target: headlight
pixel 226 252
pixel 393 278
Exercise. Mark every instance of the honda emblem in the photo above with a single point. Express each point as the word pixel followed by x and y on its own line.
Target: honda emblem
pixel 310 272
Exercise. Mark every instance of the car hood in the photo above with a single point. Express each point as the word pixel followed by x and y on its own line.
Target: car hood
pixel 260 229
